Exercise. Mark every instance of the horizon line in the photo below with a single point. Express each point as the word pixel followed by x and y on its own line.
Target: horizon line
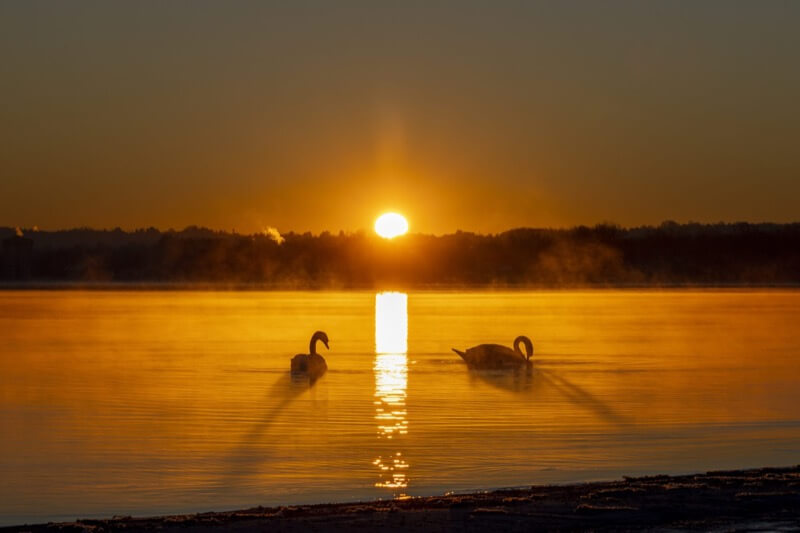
pixel 271 229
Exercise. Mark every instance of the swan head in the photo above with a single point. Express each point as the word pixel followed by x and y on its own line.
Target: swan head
pixel 319 336
pixel 324 339
pixel 522 339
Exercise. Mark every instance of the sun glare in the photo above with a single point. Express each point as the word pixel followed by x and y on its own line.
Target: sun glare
pixel 391 225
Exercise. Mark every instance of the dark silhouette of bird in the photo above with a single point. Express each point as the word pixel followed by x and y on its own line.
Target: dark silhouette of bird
pixel 311 364
pixel 496 356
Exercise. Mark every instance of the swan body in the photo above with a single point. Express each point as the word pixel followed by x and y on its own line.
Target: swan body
pixel 311 364
pixel 496 356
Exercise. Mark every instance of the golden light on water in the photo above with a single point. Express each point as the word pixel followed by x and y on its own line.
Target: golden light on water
pixel 391 225
pixel 117 390
pixel 391 380
pixel 391 383
pixel 391 323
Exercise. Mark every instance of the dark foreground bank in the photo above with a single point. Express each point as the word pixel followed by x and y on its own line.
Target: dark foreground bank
pixel 766 499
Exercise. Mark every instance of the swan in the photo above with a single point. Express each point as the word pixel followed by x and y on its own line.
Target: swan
pixel 492 356
pixel 311 363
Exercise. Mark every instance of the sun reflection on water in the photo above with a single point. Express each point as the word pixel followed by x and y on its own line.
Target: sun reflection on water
pixel 391 382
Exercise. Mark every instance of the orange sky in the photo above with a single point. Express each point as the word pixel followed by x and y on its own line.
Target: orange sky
pixel 319 116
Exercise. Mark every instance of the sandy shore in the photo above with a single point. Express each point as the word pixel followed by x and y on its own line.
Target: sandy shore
pixel 766 499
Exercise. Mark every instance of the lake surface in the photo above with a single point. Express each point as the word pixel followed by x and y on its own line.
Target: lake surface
pixel 116 403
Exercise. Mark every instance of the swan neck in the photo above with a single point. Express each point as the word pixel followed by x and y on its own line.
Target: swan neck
pixel 528 347
pixel 312 346
pixel 517 350
pixel 317 336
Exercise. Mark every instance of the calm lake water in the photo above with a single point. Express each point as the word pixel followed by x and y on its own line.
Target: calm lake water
pixel 115 403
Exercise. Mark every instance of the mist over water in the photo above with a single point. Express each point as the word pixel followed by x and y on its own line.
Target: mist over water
pixel 164 402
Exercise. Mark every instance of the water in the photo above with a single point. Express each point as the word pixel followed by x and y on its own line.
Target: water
pixel 115 403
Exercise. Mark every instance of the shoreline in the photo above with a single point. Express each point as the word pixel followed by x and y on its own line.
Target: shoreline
pixel 762 499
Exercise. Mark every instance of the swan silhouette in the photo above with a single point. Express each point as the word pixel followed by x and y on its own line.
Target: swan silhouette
pixel 495 356
pixel 311 364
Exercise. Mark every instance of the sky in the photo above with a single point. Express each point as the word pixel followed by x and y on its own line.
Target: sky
pixel 479 116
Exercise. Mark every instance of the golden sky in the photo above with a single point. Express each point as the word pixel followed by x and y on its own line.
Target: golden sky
pixel 315 116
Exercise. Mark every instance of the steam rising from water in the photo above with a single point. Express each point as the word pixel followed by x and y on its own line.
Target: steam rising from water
pixel 274 234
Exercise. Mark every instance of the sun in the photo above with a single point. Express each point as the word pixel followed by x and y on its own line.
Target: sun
pixel 391 225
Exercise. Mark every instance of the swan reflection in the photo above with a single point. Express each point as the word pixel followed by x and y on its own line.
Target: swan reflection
pixel 391 382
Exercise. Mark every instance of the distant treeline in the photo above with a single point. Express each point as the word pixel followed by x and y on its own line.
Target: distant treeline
pixel 668 254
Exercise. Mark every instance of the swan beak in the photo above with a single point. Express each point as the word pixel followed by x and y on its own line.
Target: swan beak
pixel 326 344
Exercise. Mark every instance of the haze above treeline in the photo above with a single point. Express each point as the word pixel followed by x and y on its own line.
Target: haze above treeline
pixel 605 254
